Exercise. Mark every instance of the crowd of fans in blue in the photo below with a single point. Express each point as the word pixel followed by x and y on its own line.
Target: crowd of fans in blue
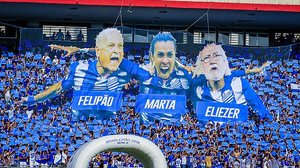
pixel 46 135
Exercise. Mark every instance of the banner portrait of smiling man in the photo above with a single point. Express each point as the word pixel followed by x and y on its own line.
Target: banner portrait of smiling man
pixel 97 84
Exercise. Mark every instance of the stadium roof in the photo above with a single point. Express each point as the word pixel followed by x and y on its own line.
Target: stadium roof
pixel 160 13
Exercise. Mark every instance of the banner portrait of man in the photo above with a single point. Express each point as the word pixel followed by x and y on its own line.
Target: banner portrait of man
pixel 221 95
pixel 97 83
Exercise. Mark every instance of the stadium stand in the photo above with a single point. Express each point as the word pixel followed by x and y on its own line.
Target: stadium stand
pixel 45 134
pixel 251 32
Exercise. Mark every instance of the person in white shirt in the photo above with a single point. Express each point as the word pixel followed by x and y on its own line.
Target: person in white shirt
pixel 37 158
pixel 119 163
pixel 266 161
pixel 31 157
pixel 236 162
pixel 64 157
pixel 274 163
pixel 177 161
pixel 7 94
pixel 58 158
pixel 243 162
pixel 45 57
pixel 183 160
pixel 55 60
pixel 193 160
pixel 248 161
pixel 253 161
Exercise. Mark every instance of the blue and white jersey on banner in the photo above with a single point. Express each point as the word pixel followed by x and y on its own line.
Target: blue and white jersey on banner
pixel 83 77
pixel 177 84
pixel 235 91
pixel 201 80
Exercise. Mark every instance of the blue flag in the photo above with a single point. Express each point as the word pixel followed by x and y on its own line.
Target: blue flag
pixel 295 87
pixel 222 112
pixel 96 101
pixel 155 104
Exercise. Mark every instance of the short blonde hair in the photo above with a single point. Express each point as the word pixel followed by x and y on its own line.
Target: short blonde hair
pixel 199 69
pixel 104 34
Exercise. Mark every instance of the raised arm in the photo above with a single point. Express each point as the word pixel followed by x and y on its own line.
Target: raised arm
pixel 72 49
pixel 255 102
pixel 135 70
pixel 249 70
pixel 53 90
pixel 257 69
pixel 238 73
pixel 188 68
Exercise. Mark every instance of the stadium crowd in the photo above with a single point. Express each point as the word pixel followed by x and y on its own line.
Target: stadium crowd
pixel 46 135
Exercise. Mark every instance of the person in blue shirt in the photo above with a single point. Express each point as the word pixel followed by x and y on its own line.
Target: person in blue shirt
pixel 221 85
pixel 52 153
pixel 37 158
pixel 102 74
pixel 23 158
pixel 44 158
